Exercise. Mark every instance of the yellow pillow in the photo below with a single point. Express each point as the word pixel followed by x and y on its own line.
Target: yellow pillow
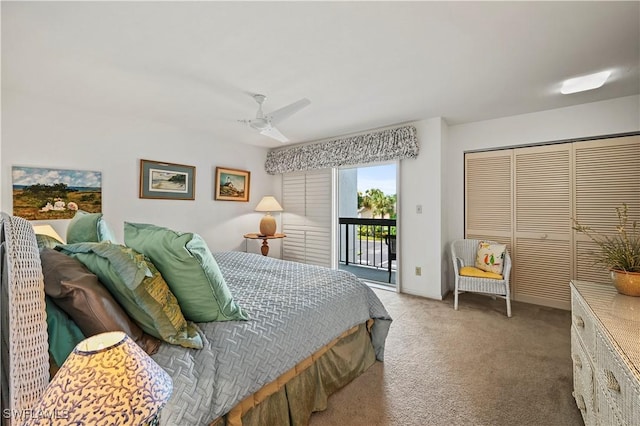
pixel 470 271
pixel 490 257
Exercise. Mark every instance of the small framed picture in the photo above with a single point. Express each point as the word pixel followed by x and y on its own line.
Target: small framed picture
pixel 167 180
pixel 232 184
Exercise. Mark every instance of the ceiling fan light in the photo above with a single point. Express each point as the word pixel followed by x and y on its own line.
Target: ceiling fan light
pixel 586 82
pixel 259 123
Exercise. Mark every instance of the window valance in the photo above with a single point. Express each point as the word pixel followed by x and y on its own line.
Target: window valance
pixel 384 145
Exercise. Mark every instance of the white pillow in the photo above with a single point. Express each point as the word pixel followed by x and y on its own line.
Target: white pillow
pixel 490 257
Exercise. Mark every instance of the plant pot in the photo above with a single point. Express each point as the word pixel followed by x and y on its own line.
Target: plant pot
pixel 626 282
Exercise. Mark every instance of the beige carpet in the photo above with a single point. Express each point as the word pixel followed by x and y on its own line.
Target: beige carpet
pixel 473 366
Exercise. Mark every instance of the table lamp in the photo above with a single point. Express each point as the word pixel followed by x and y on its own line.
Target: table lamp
pixel 107 380
pixel 268 223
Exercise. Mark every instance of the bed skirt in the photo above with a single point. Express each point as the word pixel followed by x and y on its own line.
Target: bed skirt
pixel 292 397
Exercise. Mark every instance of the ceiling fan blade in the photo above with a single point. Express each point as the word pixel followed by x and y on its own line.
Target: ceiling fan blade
pixel 280 114
pixel 274 133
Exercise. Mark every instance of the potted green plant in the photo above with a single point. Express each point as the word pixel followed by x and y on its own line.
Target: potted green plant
pixel 619 253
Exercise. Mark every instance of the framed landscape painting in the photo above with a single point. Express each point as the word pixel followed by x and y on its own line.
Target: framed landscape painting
pixel 232 184
pixel 167 181
pixel 46 194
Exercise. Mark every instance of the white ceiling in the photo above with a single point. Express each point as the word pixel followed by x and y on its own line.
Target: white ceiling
pixel 363 65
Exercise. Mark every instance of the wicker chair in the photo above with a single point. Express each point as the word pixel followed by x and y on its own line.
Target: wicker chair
pixel 463 253
pixel 24 346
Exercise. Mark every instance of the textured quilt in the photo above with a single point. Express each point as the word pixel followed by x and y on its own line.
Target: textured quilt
pixel 294 309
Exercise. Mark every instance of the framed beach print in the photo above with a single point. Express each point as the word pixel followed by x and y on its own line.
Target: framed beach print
pixel 232 184
pixel 46 193
pixel 167 181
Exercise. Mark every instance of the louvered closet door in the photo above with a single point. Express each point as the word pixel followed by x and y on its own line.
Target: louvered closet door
pixel 543 181
pixel 607 175
pixel 488 189
pixel 306 220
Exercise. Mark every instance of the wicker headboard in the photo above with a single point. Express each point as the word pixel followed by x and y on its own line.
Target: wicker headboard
pixel 24 354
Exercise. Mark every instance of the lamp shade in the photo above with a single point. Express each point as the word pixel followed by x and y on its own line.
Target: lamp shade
pixel 47 230
pixel 107 380
pixel 268 204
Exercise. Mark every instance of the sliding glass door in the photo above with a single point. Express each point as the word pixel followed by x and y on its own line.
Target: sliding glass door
pixel 367 222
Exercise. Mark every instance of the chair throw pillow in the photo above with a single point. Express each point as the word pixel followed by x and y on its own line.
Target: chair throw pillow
pixel 79 293
pixel 186 263
pixel 142 292
pixel 490 257
pixel 89 227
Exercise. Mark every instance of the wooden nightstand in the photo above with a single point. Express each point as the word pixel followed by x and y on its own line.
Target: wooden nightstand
pixel 265 245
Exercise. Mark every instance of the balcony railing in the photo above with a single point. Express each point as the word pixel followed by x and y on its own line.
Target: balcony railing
pixel 368 243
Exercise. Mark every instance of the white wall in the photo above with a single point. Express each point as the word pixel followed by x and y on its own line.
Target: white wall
pixel 613 116
pixel 41 134
pixel 36 133
pixel 420 234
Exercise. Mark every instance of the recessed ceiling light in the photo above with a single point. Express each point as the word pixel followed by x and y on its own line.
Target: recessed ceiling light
pixel 586 82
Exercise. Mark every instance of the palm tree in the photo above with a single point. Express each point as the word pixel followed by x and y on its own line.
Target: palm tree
pixel 377 198
pixel 364 200
pixel 390 206
pixel 381 205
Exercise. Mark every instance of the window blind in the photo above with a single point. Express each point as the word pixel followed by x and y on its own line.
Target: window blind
pixel 307 216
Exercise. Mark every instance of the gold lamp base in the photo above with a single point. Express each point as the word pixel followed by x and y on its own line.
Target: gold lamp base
pixel 268 225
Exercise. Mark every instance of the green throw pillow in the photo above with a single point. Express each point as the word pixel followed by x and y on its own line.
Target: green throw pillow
pixel 139 288
pixel 64 334
pixel 46 241
pixel 88 227
pixel 186 263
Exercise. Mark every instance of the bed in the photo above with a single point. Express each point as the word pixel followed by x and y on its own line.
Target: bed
pixel 311 331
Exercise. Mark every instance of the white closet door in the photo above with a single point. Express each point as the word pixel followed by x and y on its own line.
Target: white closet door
pixel 542 188
pixel 543 194
pixel 488 202
pixel 607 175
pixel 307 216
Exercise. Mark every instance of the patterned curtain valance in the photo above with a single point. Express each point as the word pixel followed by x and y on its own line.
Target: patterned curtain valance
pixel 383 145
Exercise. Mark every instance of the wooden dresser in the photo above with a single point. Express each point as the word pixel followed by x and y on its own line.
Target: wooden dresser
pixel 605 347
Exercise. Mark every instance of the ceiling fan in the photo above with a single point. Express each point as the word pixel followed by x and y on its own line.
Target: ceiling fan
pixel 265 123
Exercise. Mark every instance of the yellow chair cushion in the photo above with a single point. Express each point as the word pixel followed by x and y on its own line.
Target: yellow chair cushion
pixel 470 271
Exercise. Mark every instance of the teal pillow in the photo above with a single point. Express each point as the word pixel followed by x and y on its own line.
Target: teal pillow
pixel 46 241
pixel 139 288
pixel 64 334
pixel 185 262
pixel 88 227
